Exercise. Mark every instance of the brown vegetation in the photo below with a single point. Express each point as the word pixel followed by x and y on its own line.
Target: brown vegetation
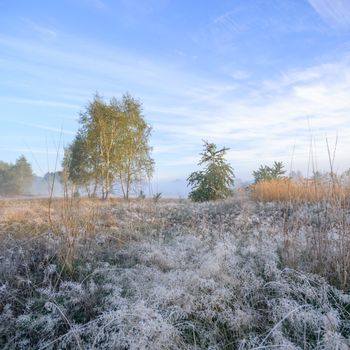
pixel 301 191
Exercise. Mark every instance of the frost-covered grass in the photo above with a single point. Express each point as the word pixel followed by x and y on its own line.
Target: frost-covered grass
pixel 174 275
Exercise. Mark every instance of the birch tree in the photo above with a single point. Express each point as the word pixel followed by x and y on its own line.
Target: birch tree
pixel 134 162
pixel 111 146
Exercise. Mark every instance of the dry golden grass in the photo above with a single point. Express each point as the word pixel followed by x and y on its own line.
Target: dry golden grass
pixel 69 214
pixel 73 219
pixel 301 191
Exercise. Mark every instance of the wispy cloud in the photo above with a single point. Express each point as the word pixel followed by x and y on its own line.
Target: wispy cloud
pixel 228 22
pixel 43 31
pixel 240 75
pixel 48 128
pixel 33 151
pixel 36 102
pixel 334 12
pixel 247 23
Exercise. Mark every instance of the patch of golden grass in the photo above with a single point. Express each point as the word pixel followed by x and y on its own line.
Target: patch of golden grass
pixel 23 218
pixel 73 220
pixel 300 191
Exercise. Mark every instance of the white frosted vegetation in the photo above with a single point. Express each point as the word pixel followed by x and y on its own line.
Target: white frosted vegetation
pixel 205 277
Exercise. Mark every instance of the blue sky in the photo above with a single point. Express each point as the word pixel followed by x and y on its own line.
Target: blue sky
pixel 261 77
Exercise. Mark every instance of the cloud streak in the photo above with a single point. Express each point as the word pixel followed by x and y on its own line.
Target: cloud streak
pixel 335 12
pixel 43 31
pixel 36 102
pixel 49 128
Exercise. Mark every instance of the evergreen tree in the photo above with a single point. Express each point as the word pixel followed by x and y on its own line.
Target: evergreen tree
pixel 216 180
pixel 16 179
pixel 23 174
pixel 267 173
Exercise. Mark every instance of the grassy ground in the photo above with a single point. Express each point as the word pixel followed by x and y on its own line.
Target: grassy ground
pixel 240 274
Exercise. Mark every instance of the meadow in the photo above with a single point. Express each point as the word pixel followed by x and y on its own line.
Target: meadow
pixel 266 269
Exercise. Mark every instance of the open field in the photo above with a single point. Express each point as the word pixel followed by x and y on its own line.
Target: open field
pixel 239 274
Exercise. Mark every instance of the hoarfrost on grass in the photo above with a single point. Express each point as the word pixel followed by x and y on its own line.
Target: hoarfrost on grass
pixel 179 290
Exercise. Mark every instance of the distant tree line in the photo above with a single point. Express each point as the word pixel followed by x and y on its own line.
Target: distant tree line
pixel 111 148
pixel 15 179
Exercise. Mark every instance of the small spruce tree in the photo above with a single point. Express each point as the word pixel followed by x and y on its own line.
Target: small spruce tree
pixel 267 173
pixel 216 180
